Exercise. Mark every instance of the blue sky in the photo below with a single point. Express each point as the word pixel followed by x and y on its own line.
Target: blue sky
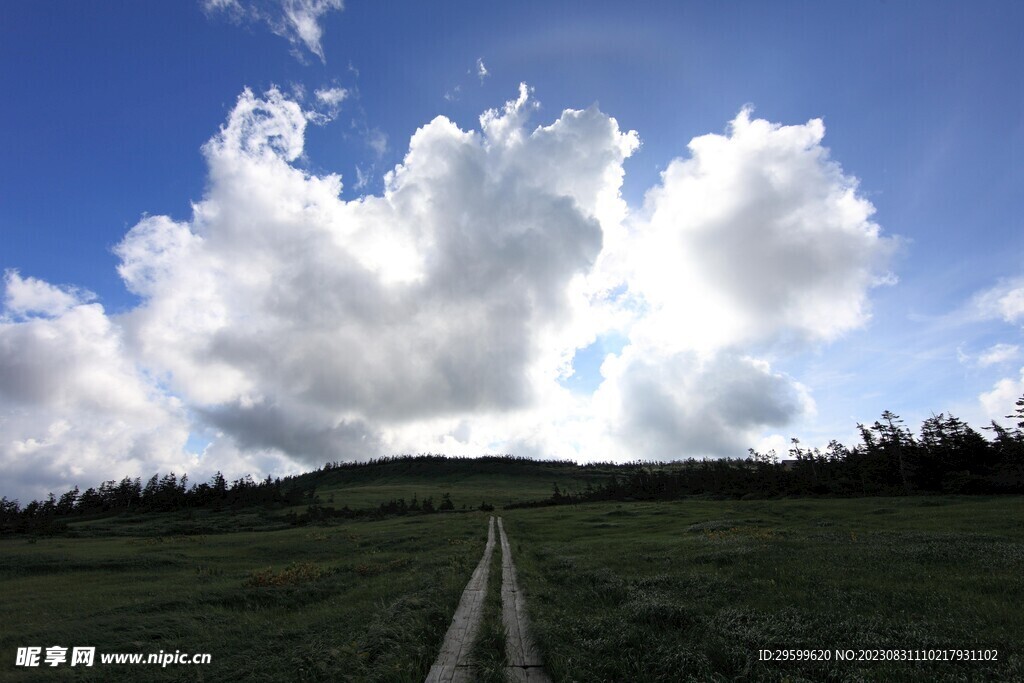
pixel 108 107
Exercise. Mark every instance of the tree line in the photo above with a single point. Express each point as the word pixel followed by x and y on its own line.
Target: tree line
pixel 946 456
pixel 169 493
pixel 165 493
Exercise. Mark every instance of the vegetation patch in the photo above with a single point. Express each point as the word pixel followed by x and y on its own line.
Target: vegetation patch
pixel 372 569
pixel 295 574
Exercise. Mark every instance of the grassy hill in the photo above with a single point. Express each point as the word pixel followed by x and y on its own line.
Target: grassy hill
pixel 496 480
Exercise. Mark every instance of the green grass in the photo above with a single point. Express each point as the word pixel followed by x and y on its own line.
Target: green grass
pixel 182 523
pixel 691 590
pixel 469 490
pixel 669 591
pixel 360 601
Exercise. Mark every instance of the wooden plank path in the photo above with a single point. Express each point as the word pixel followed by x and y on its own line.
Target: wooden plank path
pixel 453 664
pixel 524 661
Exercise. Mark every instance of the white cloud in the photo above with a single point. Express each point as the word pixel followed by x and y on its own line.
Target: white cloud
pixel 296 326
pixel 757 235
pixel 222 5
pixel 362 178
pixel 453 94
pixel 378 141
pixel 30 296
pixel 281 304
pixel 481 69
pixel 332 97
pixel 73 406
pixel 1005 300
pixel 327 104
pixel 756 239
pixel 999 353
pixel 299 21
pixel 681 405
pixel 1000 401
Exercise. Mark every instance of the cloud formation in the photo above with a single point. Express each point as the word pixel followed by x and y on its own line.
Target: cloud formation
pixel 429 300
pixel 292 326
pixel 757 234
pixel 756 240
pixel 27 297
pixel 1004 394
pixel 680 405
pixel 998 353
pixel 332 97
pixel 73 404
pixel 1005 300
pixel 299 21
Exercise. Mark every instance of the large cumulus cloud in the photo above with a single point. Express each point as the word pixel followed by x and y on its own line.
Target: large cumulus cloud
pixel 757 234
pixel 291 326
pixel 430 300
pixel 757 240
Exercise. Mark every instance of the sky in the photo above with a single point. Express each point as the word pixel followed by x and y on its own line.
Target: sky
pixel 255 236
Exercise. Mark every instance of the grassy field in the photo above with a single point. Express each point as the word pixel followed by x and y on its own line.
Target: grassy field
pixel 669 591
pixel 370 599
pixel 691 590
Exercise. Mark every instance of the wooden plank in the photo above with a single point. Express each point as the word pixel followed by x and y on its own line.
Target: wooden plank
pixel 524 658
pixel 516 674
pixel 452 664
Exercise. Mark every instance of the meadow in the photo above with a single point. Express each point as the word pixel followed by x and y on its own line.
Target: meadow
pixel 618 591
pixel 692 590
pixel 350 601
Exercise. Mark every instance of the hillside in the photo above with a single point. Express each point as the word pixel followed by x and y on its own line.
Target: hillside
pixel 496 480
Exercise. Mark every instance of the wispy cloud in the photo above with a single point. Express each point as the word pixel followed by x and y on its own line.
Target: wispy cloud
pixel 299 21
pixel 1000 353
pixel 327 104
pixel 362 178
pixel 377 141
pixel 453 94
pixel 331 96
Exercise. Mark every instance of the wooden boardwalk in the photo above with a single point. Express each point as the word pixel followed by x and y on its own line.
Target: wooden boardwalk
pixel 524 661
pixel 453 663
